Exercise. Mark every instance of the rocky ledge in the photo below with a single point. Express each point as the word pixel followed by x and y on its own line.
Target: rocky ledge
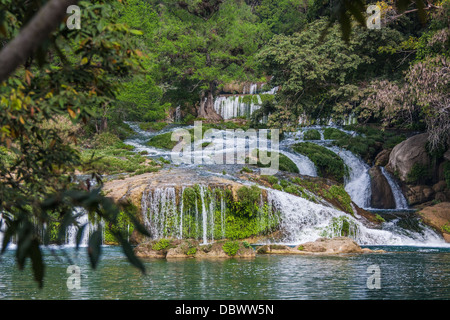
pixel 438 217
pixel 322 246
pixel 167 249
pixel 174 249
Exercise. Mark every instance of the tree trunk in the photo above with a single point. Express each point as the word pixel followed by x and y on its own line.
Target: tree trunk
pixel 206 109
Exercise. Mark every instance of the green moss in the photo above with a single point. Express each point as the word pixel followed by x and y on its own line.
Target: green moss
pixel 338 193
pixel 162 141
pixel 328 164
pixel 379 218
pixel 152 126
pixel 284 163
pixel 334 134
pixel 446 228
pixel 312 134
pixel 301 248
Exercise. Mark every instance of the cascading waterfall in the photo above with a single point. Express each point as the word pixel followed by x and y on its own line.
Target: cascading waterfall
pixel 72 230
pixel 229 107
pixel 303 221
pixel 400 200
pixel 357 184
pixel 304 164
pixel 166 213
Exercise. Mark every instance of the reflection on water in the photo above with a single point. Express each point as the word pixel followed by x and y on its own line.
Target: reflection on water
pixel 409 274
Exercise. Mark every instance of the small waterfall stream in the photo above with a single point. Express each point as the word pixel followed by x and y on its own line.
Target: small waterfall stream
pixel 400 201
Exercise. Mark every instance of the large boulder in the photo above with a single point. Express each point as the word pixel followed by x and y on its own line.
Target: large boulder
pixel 438 217
pixel 382 197
pixel 331 246
pixel 408 153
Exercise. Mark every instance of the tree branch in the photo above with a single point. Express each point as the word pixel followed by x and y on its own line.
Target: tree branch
pixel 32 35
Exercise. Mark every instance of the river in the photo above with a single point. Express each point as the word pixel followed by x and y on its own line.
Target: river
pixel 405 273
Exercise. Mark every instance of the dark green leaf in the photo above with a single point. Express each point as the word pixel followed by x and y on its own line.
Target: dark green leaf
pixel 37 264
pixel 95 247
pixel 129 253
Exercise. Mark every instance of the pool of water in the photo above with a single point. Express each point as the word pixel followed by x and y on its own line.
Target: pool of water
pixel 405 273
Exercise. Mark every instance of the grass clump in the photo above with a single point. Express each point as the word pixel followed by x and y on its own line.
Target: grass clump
pixel 334 134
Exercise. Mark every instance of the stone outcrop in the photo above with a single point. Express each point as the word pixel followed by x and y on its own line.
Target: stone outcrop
pixel 184 249
pixel 382 158
pixel 382 197
pixel 438 217
pixel 322 246
pixel 408 153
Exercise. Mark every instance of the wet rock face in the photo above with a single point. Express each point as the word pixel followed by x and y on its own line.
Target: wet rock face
pixel 408 153
pixel 438 217
pixel 382 197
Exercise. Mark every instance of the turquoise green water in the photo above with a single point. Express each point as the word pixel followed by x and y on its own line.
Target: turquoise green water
pixel 408 273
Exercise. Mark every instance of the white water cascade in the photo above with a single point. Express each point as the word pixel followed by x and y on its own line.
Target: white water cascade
pixel 166 214
pixel 303 221
pixel 400 200
pixel 229 107
pixel 358 184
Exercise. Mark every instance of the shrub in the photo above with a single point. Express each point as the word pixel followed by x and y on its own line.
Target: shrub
pixel 231 248
pixel 161 245
pixel 419 173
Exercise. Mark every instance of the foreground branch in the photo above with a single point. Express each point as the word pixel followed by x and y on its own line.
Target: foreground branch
pixel 32 35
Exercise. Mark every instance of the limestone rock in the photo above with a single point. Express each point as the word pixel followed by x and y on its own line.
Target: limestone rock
pixel 407 153
pixel 382 159
pixel 440 186
pixel 382 197
pixel 332 246
pixel 438 217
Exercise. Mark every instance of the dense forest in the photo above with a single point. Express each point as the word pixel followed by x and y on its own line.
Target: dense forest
pixel 65 108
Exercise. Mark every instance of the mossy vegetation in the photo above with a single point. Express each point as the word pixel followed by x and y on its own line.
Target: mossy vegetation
pixel 284 163
pixel 231 248
pixel 311 134
pixel 334 134
pixel 152 126
pixel 328 164
pixel 111 156
pixel 228 216
pixel 418 174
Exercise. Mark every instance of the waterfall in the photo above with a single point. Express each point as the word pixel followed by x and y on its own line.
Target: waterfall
pixel 304 164
pixel 72 230
pixel 303 221
pixel 400 200
pixel 166 213
pixel 178 114
pixel 357 184
pixel 229 107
